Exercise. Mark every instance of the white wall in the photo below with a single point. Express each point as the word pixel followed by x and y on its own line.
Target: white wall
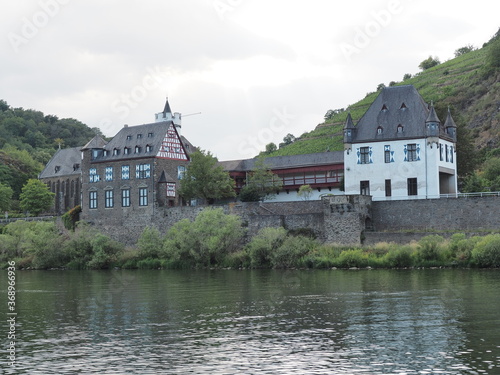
pixel 426 170
pixel 293 197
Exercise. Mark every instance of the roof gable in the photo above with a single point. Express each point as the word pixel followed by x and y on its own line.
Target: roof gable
pixel 387 113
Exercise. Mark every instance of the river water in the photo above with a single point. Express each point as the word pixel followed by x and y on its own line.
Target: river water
pixel 255 322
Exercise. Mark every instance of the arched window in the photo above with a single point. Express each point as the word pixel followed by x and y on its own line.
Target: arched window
pixel 400 128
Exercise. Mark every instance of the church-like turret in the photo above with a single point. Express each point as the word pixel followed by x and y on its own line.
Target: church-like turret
pixel 349 131
pixel 167 115
pixel 450 127
pixel 432 124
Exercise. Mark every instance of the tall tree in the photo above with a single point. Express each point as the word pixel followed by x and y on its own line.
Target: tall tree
pixel 5 197
pixel 205 179
pixel 36 197
pixel 262 182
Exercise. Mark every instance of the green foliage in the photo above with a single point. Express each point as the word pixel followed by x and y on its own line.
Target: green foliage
pixel 463 50
pixel 305 192
pixel 352 258
pixel 429 247
pixel 486 253
pixel 150 243
pixel 71 217
pixel 263 245
pixel 249 193
pixel 105 252
pixel 16 168
pixel 291 251
pixel 205 179
pixel 204 242
pixel 36 197
pixel 492 168
pixel 271 147
pixel 429 63
pixel 5 197
pixel 399 257
pixel 149 263
pixel 493 58
pixel 263 181
pixel 406 76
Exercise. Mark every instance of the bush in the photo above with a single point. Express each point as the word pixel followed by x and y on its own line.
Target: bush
pixel 149 243
pixel 429 248
pixel 398 258
pixel 149 263
pixel 105 251
pixel 352 258
pixel 206 241
pixel 261 247
pixel 486 253
pixel 71 217
pixel 291 251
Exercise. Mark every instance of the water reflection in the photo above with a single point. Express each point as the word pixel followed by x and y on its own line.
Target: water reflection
pixel 267 322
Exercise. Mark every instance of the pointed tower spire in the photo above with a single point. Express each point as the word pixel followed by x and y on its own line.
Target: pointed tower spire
pixel 450 127
pixel 349 131
pixel 432 117
pixel 167 108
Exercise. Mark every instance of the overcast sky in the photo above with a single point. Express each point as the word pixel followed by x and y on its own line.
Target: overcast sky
pixel 255 69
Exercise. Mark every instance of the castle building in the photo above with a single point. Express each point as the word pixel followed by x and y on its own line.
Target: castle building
pixel 400 149
pixel 138 170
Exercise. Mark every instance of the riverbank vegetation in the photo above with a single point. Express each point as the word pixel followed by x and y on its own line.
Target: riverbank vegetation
pixel 217 240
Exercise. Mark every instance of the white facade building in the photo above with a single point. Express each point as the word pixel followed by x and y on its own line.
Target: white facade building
pixel 400 149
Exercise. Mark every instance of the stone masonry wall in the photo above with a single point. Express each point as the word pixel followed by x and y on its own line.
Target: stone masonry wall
pixel 463 214
pixel 336 219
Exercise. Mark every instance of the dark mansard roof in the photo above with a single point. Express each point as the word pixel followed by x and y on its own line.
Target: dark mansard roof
pixel 141 136
pixel 396 106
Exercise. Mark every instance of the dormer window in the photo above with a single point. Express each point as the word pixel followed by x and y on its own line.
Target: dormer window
pixel 150 135
pixel 384 108
pixel 126 150
pixel 139 136
pixel 149 148
pixel 137 149
pixel 403 107
pixel 129 137
pixel 76 166
pixel 57 168
pixel 116 151
pixel 380 130
pixel 400 128
pixel 105 153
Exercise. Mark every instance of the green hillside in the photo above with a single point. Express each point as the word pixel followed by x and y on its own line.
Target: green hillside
pixel 29 138
pixel 469 84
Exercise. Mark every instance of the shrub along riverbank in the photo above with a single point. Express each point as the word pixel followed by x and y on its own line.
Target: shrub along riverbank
pixel 217 240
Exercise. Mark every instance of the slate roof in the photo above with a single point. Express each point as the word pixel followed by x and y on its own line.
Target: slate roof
pixel 449 123
pixel 286 162
pixel 140 135
pixel 68 161
pixel 96 142
pixel 387 112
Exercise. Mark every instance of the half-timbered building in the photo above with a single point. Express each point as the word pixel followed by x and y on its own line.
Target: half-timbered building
pixel 134 173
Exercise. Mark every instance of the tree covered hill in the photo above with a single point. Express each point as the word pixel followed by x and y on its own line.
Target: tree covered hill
pixel 469 85
pixel 29 138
